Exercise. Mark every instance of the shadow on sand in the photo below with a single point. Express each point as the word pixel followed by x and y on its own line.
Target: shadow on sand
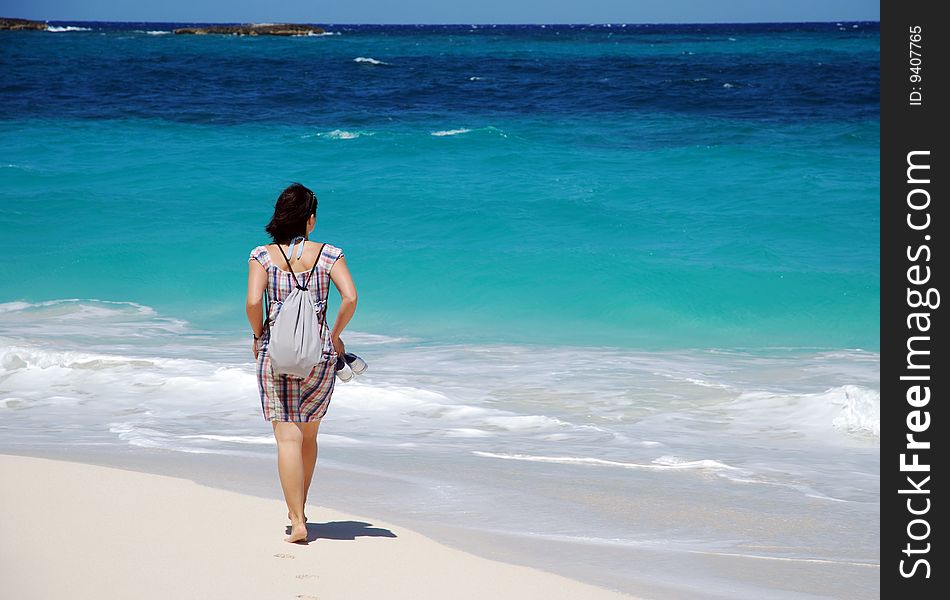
pixel 342 530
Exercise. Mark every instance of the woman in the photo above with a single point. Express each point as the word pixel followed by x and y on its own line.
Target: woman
pixel 295 406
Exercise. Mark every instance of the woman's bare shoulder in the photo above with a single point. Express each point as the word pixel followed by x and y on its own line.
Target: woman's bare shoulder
pixel 327 246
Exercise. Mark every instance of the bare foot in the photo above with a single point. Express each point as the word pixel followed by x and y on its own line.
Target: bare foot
pixel 292 519
pixel 298 532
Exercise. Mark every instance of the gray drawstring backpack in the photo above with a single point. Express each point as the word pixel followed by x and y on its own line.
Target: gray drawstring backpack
pixel 296 333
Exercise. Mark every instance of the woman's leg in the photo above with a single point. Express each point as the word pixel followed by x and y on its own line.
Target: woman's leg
pixel 309 451
pixel 291 470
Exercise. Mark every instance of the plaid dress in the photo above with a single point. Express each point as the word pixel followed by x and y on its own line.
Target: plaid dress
pixel 285 397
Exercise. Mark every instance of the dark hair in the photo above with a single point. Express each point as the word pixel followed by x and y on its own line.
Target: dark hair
pixel 291 212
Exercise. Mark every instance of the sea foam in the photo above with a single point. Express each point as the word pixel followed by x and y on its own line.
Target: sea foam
pixel 449 132
pixel 59 29
pixel 340 134
pixel 662 463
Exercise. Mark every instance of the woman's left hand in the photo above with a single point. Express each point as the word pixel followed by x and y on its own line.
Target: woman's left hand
pixel 254 347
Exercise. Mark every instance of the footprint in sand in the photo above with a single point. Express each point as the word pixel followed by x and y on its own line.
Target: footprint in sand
pixel 303 597
pixel 307 576
pixel 281 555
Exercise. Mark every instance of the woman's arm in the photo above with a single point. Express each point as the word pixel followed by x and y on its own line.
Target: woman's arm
pixel 340 274
pixel 256 282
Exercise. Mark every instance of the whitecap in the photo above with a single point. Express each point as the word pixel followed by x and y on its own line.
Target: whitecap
pixel 727 85
pixel 826 561
pixel 523 422
pixel 334 439
pixel 663 463
pixel 466 432
pixel 709 384
pixel 449 132
pixel 14 305
pixel 237 439
pixel 58 29
pixel 860 410
pixel 848 409
pixel 369 61
pixel 72 317
pixel 340 134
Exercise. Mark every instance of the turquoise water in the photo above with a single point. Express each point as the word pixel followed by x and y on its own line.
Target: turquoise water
pixel 656 232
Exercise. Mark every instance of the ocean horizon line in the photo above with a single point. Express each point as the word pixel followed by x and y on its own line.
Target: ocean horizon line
pixel 610 24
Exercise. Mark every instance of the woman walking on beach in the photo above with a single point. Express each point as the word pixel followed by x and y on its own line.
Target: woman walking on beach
pixel 295 406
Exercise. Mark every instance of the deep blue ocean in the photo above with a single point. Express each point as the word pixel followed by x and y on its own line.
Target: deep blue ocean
pixel 618 285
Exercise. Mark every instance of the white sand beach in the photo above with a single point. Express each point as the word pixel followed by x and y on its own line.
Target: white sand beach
pixel 74 530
